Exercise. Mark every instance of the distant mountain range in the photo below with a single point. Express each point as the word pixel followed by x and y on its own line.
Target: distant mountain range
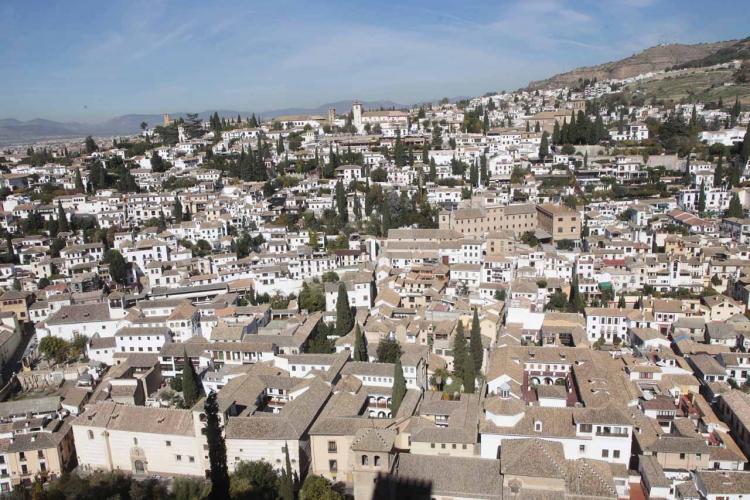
pixel 17 131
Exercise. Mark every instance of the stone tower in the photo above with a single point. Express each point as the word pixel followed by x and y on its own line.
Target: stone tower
pixel 357 116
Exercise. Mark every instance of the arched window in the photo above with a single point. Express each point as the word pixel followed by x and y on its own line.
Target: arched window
pixel 365 460
pixel 376 460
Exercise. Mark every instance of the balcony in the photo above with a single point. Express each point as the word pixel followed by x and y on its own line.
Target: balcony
pixel 609 433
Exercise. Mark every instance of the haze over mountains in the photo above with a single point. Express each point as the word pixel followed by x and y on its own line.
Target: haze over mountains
pixel 652 59
pixel 12 130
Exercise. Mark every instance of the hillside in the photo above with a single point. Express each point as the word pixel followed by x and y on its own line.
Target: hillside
pixel 693 86
pixel 652 59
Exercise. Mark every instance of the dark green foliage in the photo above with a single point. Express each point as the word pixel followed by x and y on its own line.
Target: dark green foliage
pixel 318 488
pixel 217 450
pixel 191 390
pixel 735 208
pixel 469 375
pixel 544 146
pixel 459 350
pixel 90 145
pixel 119 269
pixel 256 479
pixel 312 297
pixel 475 343
pixel 286 481
pixel 344 316
pixel 399 387
pixel 389 350
pixel 360 346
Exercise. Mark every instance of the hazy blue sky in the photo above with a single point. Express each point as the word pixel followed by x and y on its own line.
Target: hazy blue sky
pixel 88 60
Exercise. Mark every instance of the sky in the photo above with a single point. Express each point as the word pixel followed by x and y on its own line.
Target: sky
pixel 92 60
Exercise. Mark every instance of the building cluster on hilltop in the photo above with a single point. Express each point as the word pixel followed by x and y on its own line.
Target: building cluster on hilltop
pixel 532 294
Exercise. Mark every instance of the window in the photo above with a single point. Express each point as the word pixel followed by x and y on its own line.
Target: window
pixel 42 467
pixel 432 445
pixel 582 448
pixel 135 441
pixel 191 459
pixel 365 460
pixel 376 460
pixel 616 454
pixel 331 446
pixel 90 434
pixel 178 458
pixel 169 443
pixel 682 456
pixel 333 466
pixel 605 453
pixel 22 456
pixel 40 454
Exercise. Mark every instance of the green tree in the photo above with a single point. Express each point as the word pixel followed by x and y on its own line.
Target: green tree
pixel 190 389
pixel 90 145
pixel 360 346
pixel 389 350
pixel 318 488
pixel 475 343
pixel 399 387
pixel 54 348
pixel 157 163
pixel 217 449
pixel 469 375
pixel 79 182
pixel 745 151
pixel 735 208
pixel 341 207
pixel 62 219
pixel 719 171
pixel 177 210
pixel 577 304
pixel 286 482
pixel 118 267
pixel 459 350
pixel 544 146
pixel 256 479
pixel 344 317
pixel 702 198
pixel 621 302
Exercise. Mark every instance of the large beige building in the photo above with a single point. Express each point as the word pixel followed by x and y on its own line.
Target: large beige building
pixel 478 221
pixel 140 440
pixel 559 221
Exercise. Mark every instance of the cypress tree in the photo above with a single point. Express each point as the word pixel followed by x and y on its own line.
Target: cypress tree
pixel 702 199
pixel 79 181
pixel 286 481
pixel 344 318
pixel 385 214
pixel 62 219
pixel 357 207
pixel 341 203
pixel 745 152
pixel 735 208
pixel 399 387
pixel 459 350
pixel 433 170
pixel 719 171
pixel 360 346
pixel 475 343
pixel 190 390
pixel 217 450
pixel 469 376
pixel 556 133
pixel 177 210
pixel 483 173
pixel 544 146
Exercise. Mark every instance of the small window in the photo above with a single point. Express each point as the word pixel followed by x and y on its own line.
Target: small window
pixel 178 458
pixel 135 441
pixel 605 453
pixel 91 434
pixel 169 443
pixel 365 460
